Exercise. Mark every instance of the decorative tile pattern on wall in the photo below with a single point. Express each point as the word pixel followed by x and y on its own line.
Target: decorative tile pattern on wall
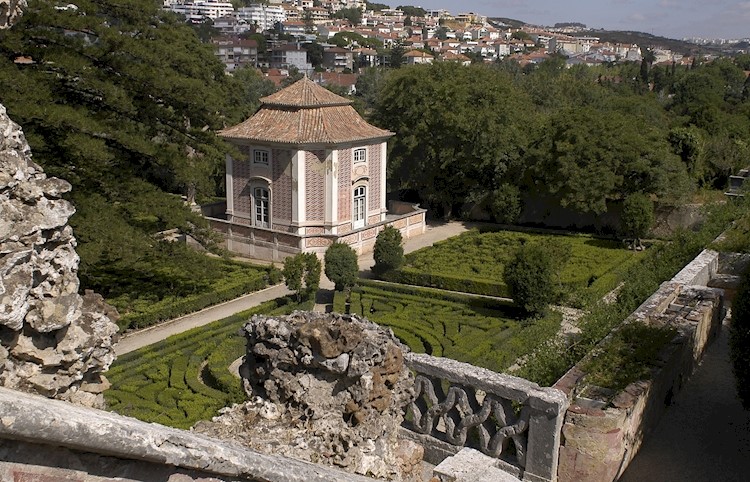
pixel 373 153
pixel 345 185
pixel 240 178
pixel 317 242
pixel 315 185
pixel 369 233
pixel 281 204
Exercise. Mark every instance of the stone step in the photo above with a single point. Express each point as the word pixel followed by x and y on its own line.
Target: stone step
pixel 470 465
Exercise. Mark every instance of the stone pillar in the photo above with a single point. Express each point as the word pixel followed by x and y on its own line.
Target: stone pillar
pixel 298 189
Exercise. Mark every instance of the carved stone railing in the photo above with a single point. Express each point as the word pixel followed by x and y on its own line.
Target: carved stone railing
pixel 506 417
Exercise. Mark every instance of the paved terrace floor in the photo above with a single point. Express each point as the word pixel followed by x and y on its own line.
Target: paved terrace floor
pixel 436 231
pixel 705 434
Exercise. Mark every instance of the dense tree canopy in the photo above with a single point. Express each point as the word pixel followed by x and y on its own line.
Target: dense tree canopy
pixel 584 136
pixel 122 100
pixel 354 15
pixel 587 157
pixel 459 130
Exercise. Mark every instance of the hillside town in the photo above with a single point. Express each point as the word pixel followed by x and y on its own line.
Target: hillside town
pixel 342 36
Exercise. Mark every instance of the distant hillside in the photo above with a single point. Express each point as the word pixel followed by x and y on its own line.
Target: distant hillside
pixel 643 39
pixel 510 22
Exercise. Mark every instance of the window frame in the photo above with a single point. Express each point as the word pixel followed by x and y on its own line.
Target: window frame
pixel 359 222
pixel 359 150
pixel 261 153
pixel 261 206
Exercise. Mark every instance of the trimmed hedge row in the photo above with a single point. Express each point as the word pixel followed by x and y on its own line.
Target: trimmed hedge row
pixel 185 378
pixel 154 312
pixel 467 328
pixel 473 262
pixel 415 277
pixel 422 292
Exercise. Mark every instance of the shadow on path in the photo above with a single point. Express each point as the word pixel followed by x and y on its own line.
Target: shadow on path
pixel 705 434
pixel 324 300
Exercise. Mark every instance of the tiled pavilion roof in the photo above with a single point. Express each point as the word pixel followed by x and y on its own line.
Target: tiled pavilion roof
pixel 305 113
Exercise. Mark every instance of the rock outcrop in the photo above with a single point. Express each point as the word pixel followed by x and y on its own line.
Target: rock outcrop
pixel 326 388
pixel 10 10
pixel 53 341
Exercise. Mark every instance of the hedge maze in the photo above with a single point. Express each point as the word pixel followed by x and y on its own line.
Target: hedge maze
pixel 185 378
pixel 483 332
pixel 473 262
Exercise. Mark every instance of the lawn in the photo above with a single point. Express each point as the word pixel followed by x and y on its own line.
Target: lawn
pixel 185 378
pixel 482 332
pixel 474 262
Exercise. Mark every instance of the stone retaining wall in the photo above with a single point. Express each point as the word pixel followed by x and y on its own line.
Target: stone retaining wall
pixel 603 430
pixel 73 443
pixel 275 245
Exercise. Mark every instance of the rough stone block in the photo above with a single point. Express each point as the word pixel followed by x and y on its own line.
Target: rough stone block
pixel 471 465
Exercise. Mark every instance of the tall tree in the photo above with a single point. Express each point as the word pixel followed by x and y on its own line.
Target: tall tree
pixel 341 266
pixel 302 275
pixel 397 56
pixel 637 218
pixel 388 252
pixel 586 157
pixel 460 130
pixel 121 99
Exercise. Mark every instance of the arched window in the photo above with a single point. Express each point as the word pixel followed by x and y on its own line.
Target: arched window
pixel 359 207
pixel 262 207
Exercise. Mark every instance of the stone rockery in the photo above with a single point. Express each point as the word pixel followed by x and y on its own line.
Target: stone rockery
pixel 53 341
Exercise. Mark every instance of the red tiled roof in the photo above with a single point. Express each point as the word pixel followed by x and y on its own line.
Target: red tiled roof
pixel 304 93
pixel 305 113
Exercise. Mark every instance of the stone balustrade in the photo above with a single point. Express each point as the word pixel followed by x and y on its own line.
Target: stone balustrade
pixel 506 417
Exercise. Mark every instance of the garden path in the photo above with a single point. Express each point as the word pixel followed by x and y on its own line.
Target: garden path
pixel 436 231
pixel 705 434
pixel 138 339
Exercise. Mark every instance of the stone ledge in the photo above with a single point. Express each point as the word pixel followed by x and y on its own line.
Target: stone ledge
pixel 548 400
pixel 471 465
pixel 34 419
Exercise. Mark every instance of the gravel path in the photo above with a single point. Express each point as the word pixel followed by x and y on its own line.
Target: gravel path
pixel 138 339
pixel 705 434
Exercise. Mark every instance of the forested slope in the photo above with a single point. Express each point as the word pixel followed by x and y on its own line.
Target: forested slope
pixel 122 99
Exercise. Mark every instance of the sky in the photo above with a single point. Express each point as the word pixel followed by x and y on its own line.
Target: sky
pixel 677 19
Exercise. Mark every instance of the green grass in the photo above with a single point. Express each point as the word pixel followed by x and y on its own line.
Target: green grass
pixel 473 330
pixel 185 378
pixel 628 356
pixel 474 262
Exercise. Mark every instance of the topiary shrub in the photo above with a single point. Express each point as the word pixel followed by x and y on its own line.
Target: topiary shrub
pixel 739 340
pixel 530 276
pixel 388 252
pixel 637 218
pixel 302 274
pixel 341 265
